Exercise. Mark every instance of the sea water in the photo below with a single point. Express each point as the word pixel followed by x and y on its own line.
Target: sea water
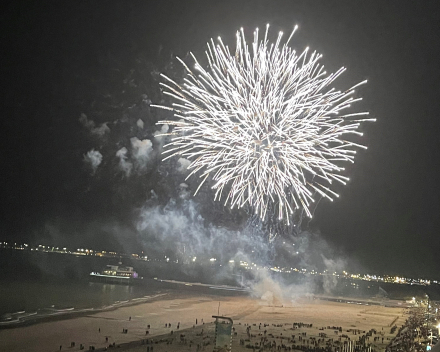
pixel 32 296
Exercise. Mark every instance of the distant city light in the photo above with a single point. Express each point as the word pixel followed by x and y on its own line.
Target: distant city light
pixel 244 265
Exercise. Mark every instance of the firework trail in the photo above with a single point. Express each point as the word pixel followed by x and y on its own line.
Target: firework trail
pixel 263 125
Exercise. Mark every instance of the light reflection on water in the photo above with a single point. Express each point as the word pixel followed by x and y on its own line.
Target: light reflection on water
pixel 30 296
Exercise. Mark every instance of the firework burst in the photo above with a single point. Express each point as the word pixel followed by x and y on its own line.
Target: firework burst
pixel 263 125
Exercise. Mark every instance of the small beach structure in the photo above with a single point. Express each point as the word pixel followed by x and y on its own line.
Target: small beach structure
pixel 223 334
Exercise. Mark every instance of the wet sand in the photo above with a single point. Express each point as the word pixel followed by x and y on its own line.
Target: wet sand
pixel 92 330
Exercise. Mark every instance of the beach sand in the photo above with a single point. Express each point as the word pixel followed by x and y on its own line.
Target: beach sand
pixel 92 330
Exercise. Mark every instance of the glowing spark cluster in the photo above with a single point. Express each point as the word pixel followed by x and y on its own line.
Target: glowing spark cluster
pixel 263 124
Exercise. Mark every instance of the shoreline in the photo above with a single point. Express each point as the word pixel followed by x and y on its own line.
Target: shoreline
pixel 28 319
pixel 21 319
pixel 90 329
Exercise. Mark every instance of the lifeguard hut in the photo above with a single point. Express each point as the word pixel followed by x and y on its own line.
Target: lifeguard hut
pixel 223 334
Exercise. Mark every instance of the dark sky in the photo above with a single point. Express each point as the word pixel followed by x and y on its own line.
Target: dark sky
pixel 62 59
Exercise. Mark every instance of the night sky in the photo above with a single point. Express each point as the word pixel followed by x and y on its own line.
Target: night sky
pixel 102 58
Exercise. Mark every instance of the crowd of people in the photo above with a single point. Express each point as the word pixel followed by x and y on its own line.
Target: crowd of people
pixel 414 335
pixel 329 339
pixel 297 336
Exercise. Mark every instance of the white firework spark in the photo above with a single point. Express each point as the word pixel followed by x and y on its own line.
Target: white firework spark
pixel 263 124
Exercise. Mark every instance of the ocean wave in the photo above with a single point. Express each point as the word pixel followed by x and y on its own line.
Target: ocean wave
pixel 11 320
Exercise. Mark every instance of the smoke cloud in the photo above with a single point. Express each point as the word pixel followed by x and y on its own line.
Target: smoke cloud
pixel 99 131
pixel 124 165
pixel 332 266
pixel 140 124
pixel 163 129
pixel 179 224
pixel 93 158
pixel 183 164
pixel 274 292
pixel 242 255
pixel 142 151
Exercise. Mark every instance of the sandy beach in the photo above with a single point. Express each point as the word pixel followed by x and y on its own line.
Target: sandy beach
pixel 104 328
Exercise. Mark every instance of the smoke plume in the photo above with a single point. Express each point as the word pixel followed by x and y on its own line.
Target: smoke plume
pixel 93 158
